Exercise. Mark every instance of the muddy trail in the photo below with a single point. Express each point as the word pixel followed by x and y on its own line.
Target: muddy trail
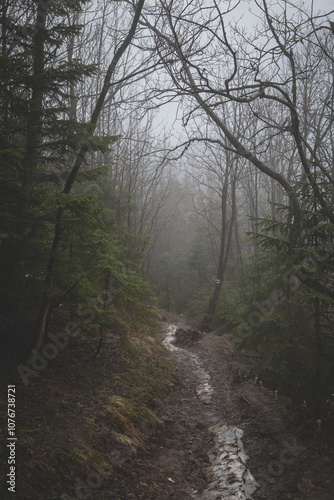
pixel 222 436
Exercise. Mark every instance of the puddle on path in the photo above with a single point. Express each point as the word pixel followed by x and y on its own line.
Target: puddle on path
pixel 229 478
pixel 204 390
pixel 170 338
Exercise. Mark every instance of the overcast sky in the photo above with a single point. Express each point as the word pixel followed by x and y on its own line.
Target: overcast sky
pixel 167 113
pixel 242 12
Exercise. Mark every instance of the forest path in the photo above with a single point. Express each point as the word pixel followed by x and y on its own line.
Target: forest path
pixel 211 421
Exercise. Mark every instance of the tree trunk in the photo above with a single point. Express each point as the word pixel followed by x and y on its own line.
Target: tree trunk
pixel 51 269
pixel 224 252
pixel 317 357
pixel 35 116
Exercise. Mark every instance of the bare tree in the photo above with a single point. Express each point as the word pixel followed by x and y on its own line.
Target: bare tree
pixel 269 66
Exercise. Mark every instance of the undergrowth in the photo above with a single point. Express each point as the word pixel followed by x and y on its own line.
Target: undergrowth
pixel 82 410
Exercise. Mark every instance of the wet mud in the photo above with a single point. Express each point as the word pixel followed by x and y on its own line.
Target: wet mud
pixel 221 437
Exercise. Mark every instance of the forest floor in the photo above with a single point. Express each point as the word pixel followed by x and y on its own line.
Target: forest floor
pixel 283 466
pixel 143 433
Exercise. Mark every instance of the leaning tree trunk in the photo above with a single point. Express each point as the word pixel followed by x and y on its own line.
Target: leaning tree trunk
pixel 51 269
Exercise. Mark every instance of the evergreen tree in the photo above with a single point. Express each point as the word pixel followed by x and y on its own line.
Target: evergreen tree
pixel 57 242
pixel 288 315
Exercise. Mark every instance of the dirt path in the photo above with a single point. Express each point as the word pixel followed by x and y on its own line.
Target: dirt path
pixel 214 417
